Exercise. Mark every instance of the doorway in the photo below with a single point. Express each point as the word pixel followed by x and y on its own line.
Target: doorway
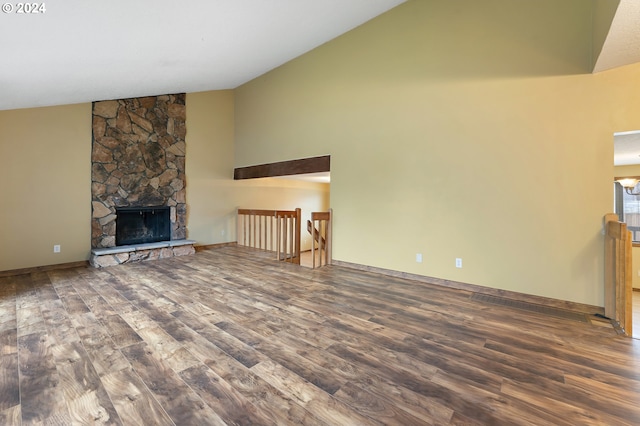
pixel 303 183
pixel 626 161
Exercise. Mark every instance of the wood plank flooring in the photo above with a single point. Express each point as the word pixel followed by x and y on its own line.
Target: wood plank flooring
pixel 222 337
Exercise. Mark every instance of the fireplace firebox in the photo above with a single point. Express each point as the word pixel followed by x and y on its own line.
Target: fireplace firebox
pixel 139 225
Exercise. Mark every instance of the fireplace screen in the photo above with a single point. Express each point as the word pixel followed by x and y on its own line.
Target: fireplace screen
pixel 139 225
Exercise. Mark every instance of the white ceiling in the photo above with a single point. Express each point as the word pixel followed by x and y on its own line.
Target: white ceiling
pixel 626 148
pixel 622 45
pixel 87 50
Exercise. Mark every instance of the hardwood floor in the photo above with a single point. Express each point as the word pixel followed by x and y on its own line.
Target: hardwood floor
pixel 222 338
pixel 306 259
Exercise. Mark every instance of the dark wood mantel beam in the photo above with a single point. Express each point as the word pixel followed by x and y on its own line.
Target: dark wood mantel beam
pixel 284 168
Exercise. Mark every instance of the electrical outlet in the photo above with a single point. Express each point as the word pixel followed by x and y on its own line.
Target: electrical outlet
pixel 56 248
pixel 458 262
pixel 419 257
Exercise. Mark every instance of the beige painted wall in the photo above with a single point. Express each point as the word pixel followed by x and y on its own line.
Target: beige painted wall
pixel 622 171
pixel 212 194
pixel 209 167
pixel 46 185
pixel 458 129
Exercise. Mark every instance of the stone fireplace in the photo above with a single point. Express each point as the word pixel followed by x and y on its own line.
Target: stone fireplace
pixel 137 161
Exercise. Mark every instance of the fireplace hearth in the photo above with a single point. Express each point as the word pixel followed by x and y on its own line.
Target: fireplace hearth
pixel 140 225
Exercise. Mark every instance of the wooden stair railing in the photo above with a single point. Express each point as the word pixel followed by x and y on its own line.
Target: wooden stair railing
pixel 271 230
pixel 288 235
pixel 315 233
pixel 618 286
pixel 320 235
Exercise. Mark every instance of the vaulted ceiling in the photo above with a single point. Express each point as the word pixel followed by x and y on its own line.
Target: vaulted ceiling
pixel 80 51
pixel 85 50
pixel 622 44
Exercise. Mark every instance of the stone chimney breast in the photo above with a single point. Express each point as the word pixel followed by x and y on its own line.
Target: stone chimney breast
pixel 138 160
